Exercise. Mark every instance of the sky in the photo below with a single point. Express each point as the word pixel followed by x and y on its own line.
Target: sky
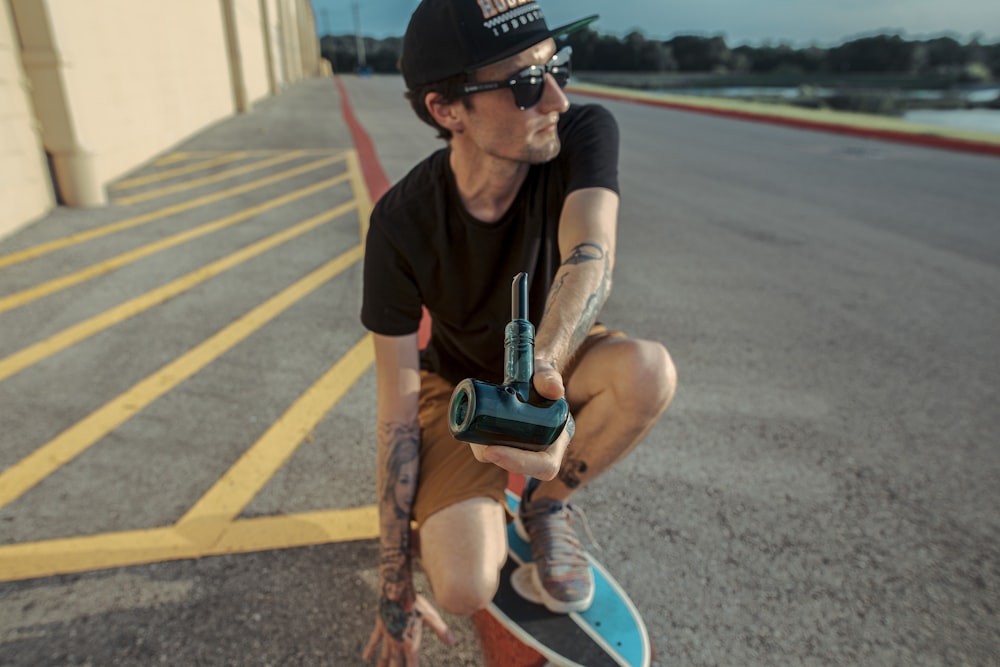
pixel 797 22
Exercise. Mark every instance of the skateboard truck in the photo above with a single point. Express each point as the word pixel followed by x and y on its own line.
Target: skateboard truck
pixel 512 413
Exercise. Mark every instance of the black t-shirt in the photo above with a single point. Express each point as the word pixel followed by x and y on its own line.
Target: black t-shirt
pixel 424 249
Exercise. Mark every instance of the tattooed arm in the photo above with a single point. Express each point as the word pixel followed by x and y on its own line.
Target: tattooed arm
pixel 401 613
pixel 587 229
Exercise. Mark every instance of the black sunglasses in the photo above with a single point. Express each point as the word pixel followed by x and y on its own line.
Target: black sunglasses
pixel 528 85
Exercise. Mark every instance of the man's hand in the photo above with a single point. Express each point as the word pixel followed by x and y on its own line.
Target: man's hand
pixel 542 465
pixel 400 631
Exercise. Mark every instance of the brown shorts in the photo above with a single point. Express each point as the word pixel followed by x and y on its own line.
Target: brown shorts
pixel 449 473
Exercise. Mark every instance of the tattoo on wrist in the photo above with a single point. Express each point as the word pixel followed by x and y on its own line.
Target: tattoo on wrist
pixel 398 622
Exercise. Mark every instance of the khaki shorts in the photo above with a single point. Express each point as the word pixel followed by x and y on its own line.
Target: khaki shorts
pixel 449 473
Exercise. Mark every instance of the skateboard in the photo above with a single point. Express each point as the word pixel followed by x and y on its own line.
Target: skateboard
pixel 516 632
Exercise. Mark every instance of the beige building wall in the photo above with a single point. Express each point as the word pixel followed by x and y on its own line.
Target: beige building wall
pixel 117 81
pixel 276 42
pixel 253 53
pixel 309 51
pixel 111 83
pixel 25 190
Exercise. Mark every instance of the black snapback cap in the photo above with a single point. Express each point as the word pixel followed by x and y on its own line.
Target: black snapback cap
pixel 447 37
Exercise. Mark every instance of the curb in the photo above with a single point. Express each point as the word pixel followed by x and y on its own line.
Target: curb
pixel 375 178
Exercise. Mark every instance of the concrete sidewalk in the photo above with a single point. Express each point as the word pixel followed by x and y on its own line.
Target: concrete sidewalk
pixel 187 409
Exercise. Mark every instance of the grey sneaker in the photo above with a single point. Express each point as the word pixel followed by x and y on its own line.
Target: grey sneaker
pixel 562 575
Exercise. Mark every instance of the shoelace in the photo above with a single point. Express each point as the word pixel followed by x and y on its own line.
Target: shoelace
pixel 560 534
pixel 591 541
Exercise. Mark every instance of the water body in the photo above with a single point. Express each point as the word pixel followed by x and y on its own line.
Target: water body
pixel 982 120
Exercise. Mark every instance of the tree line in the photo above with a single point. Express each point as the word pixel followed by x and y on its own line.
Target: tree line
pixel 883 54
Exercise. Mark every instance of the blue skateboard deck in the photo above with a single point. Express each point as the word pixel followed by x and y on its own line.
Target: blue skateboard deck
pixel 610 633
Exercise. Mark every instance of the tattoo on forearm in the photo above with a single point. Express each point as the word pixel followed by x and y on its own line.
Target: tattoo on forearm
pixel 402 444
pixel 569 332
pixel 393 561
pixel 399 466
pixel 553 295
pixel 595 301
pixel 585 252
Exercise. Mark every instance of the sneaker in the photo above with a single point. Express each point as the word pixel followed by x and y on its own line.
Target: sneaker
pixel 561 573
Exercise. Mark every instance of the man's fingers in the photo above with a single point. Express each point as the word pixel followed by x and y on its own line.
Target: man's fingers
pixel 549 383
pixel 372 643
pixel 433 620
pixel 543 465
pixel 480 452
pixel 411 655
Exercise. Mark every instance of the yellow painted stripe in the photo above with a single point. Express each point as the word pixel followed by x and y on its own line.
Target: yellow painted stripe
pixel 208 180
pixel 360 192
pixel 179 171
pixel 173 158
pixel 234 490
pixel 24 297
pixel 93 552
pixel 129 223
pixel 297 530
pixel 35 467
pixel 17 362
pixel 137 547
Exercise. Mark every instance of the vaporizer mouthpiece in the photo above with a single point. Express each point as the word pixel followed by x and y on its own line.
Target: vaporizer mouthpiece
pixel 519 297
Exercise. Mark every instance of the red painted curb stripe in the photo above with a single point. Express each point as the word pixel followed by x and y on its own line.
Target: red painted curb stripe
pixel 371 168
pixel 375 178
pixel 928 140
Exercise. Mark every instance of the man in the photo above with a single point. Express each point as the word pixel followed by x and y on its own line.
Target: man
pixel 526 184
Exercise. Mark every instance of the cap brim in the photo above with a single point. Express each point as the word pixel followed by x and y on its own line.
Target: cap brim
pixel 574 26
pixel 517 48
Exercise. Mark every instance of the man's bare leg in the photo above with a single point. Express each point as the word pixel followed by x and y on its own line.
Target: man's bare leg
pixel 462 549
pixel 616 394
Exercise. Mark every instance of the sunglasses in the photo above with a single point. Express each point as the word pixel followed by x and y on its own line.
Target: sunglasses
pixel 528 85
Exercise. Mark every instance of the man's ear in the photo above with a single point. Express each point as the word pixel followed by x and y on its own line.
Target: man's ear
pixel 447 114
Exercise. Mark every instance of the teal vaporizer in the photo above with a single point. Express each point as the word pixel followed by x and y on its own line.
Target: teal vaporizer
pixel 512 413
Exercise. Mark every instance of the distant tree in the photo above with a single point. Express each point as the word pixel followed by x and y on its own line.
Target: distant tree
pixel 768 58
pixel 944 52
pixel 700 54
pixel 342 52
pixel 882 53
pixel 991 58
pixel 697 53
pixel 657 56
pixel 648 55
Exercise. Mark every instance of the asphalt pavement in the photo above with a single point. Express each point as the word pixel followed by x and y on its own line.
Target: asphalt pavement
pixel 187 420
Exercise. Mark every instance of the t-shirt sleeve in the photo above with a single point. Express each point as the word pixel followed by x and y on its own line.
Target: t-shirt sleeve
pixel 590 149
pixel 390 303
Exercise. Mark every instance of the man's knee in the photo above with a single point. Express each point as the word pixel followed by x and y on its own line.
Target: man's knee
pixel 465 594
pixel 647 379
pixel 463 548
